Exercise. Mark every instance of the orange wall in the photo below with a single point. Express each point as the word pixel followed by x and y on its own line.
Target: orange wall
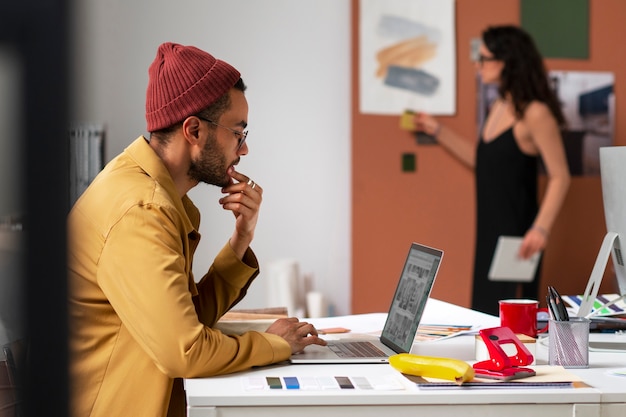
pixel 435 204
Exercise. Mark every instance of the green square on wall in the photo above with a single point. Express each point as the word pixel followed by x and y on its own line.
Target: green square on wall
pixel 560 28
pixel 408 162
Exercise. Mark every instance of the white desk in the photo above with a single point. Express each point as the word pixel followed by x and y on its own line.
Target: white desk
pixel 227 396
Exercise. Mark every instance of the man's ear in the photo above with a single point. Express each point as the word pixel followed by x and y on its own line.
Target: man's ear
pixel 191 129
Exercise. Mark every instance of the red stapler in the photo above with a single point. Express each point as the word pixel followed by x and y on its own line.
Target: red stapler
pixel 500 365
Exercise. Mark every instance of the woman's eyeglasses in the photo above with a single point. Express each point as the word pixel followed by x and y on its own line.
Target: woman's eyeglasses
pixel 483 58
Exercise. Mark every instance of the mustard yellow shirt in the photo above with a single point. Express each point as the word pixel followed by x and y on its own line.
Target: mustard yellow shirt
pixel 138 320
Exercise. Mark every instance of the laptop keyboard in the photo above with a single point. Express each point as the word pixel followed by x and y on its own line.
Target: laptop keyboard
pixel 356 350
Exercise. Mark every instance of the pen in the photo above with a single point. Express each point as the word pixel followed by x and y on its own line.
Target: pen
pixel 552 304
pixel 559 305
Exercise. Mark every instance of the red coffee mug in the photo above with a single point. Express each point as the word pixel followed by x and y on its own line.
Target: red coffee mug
pixel 521 316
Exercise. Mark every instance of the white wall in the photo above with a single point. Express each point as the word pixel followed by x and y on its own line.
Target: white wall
pixel 295 58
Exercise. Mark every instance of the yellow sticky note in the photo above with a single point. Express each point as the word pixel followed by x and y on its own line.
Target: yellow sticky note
pixel 406 120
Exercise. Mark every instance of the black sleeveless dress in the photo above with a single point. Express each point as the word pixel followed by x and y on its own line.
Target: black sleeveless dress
pixel 506 198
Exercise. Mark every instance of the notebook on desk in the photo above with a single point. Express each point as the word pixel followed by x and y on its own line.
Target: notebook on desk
pixel 405 312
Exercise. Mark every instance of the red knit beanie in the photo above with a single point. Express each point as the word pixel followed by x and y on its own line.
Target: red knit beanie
pixel 182 81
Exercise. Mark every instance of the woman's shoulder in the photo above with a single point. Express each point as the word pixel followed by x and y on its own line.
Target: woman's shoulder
pixel 537 125
pixel 538 112
pixel 537 108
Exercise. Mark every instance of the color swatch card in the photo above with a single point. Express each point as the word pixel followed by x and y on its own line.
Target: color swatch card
pixel 603 305
pixel 322 383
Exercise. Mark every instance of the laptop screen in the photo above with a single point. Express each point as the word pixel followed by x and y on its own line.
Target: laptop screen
pixel 409 300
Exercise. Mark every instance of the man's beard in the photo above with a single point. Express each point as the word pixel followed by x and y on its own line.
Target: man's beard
pixel 211 167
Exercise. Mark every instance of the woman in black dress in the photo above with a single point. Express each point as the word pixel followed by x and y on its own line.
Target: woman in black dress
pixel 523 125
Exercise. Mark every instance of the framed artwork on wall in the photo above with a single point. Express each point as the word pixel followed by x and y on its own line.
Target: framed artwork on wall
pixel 407 56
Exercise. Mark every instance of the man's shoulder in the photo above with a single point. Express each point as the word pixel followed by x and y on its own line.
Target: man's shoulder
pixel 120 186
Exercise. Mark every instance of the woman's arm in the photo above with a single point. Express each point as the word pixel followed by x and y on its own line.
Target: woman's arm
pixel 462 149
pixel 546 137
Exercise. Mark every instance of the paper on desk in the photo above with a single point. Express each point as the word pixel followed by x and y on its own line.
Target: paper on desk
pixel 434 332
pixel 547 376
pixel 546 373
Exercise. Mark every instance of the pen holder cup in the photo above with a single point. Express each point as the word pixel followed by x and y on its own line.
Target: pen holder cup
pixel 568 343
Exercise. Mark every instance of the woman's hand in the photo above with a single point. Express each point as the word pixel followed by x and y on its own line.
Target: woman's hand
pixel 534 241
pixel 426 123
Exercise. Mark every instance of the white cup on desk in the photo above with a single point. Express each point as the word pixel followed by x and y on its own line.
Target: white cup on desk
pixel 315 304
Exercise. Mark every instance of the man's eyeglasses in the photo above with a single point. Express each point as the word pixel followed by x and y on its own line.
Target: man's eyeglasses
pixel 241 136
pixel 483 58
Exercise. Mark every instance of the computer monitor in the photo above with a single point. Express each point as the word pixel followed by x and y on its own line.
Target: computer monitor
pixel 613 175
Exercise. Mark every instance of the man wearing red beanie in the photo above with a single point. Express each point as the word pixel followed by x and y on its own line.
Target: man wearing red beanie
pixel 139 323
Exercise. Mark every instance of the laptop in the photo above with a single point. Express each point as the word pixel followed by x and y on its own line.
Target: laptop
pixel 405 312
